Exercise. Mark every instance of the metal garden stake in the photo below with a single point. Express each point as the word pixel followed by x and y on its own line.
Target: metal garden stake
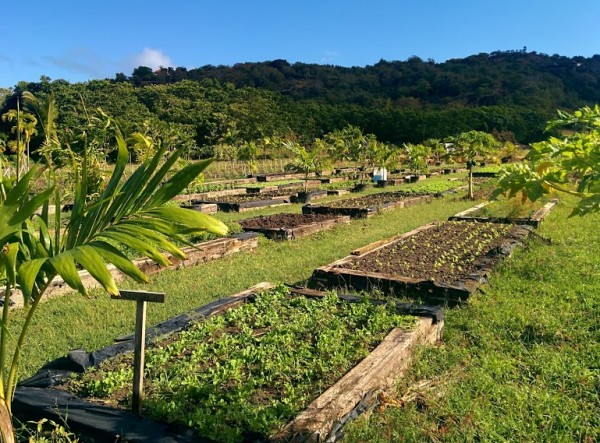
pixel 141 297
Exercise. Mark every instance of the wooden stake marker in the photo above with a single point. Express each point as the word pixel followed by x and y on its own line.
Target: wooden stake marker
pixel 141 297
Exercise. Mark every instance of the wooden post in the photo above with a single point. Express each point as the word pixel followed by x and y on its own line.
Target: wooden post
pixel 141 298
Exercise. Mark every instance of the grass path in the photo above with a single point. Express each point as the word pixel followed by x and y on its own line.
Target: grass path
pixel 520 362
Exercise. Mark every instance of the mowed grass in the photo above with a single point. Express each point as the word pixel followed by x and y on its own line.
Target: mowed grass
pixel 521 362
pixel 73 321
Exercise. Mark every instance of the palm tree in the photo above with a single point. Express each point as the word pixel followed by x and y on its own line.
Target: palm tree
pixel 127 213
pixel 24 128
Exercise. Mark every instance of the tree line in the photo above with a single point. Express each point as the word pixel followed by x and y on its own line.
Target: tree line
pixel 508 94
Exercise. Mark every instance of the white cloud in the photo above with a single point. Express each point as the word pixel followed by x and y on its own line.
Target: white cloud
pixel 329 57
pixel 152 58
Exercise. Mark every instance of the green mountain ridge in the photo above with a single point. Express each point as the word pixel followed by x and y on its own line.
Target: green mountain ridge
pixel 511 94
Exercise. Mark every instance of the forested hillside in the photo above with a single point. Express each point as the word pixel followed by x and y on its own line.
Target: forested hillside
pixel 514 78
pixel 511 94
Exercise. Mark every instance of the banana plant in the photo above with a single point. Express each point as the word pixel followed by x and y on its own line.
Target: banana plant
pixel 129 213
pixel 471 146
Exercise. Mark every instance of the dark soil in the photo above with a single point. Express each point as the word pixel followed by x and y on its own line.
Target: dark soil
pixel 370 201
pixel 249 197
pixel 446 252
pixel 278 221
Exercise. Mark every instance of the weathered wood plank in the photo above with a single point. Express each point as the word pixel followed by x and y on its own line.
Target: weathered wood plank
pixel 337 191
pixel 205 208
pixel 300 231
pixel 471 210
pixel 376 374
pixel 539 215
pixel 534 220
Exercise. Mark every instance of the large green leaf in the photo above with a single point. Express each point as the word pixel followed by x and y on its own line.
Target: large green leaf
pixel 189 219
pixel 28 274
pixel 31 206
pixel 17 207
pixel 9 257
pixel 139 245
pixel 158 179
pixel 120 260
pixel 148 235
pixel 92 262
pixel 64 265
pixel 20 190
pixel 178 183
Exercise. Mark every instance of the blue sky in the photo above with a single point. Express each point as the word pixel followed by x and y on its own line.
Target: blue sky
pixel 82 40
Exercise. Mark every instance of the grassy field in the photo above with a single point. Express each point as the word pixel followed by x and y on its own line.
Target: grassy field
pixel 521 362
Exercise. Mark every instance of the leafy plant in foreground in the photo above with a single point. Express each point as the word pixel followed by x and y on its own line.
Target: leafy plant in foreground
pixel 129 213
pixel 570 165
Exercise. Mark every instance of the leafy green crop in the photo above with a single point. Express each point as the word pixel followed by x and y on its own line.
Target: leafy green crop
pixel 253 368
pixel 435 187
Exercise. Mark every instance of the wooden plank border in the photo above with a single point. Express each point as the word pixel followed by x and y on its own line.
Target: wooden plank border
pixel 534 220
pixel 300 231
pixel 358 212
pixel 336 275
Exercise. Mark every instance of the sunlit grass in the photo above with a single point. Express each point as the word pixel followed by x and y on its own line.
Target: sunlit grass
pixel 520 362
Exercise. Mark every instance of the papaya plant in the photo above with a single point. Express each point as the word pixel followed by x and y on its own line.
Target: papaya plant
pixel 127 213
pixel 307 160
pixel 472 146
pixel 570 164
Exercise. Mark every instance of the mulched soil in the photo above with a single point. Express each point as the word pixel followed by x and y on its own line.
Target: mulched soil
pixel 250 197
pixel 278 221
pixel 369 201
pixel 446 252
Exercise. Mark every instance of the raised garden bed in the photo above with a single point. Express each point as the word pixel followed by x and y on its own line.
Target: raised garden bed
pixel 200 253
pixel 345 171
pixel 331 358
pixel 209 195
pixel 329 180
pixel 363 207
pixel 439 263
pixel 488 213
pixel 337 191
pixel 306 197
pixel 282 194
pixel 291 226
pixel 276 177
pixel 206 208
pixel 248 202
